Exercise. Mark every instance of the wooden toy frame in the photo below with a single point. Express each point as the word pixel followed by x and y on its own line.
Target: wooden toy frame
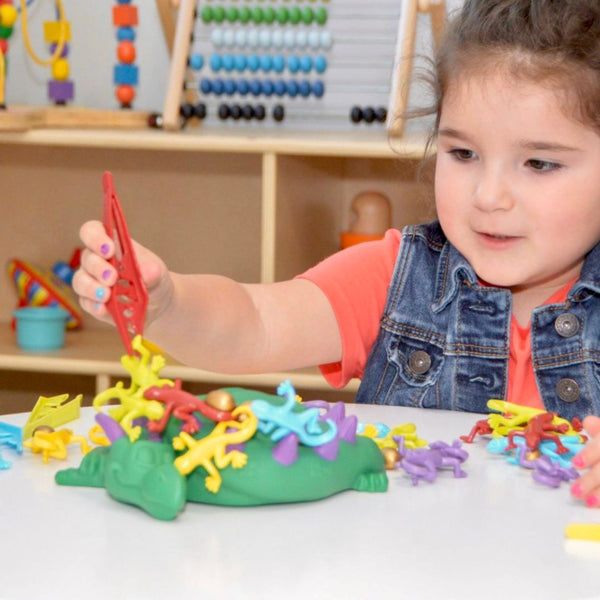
pixel 405 46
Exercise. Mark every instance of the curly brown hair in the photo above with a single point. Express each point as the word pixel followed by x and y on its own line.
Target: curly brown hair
pixel 553 42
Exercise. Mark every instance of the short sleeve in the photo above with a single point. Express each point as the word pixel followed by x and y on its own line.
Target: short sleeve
pixel 356 282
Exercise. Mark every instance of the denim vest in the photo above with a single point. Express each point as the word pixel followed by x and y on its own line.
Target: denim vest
pixel 444 339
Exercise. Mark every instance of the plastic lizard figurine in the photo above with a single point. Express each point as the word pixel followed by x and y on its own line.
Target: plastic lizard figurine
pixel 211 452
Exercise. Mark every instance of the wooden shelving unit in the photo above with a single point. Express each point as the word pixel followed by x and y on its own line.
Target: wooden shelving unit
pixel 235 202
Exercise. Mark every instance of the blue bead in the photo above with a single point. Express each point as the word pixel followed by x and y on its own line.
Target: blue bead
pixel 218 86
pixel 229 87
pixel 255 87
pixel 291 88
pixel 318 89
pixel 124 74
pixel 267 87
pixel 216 62
pixel 306 63
pixel 196 61
pixel 240 62
pixel 304 88
pixel 228 62
pixel 266 63
pixel 242 86
pixel 123 1
pixel 278 63
pixel 320 64
pixel 293 63
pixel 126 34
pixel 279 87
pixel 253 62
pixel 205 85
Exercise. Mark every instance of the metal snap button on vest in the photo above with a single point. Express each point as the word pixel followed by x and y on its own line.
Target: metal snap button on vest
pixel 419 362
pixel 568 390
pixel 566 325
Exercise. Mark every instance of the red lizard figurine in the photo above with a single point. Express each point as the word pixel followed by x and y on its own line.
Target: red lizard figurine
pixel 181 404
pixel 540 428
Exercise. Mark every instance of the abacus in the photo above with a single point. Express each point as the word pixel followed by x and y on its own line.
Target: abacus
pixel 297 64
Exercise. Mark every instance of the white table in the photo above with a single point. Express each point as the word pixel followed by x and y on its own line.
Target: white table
pixel 495 534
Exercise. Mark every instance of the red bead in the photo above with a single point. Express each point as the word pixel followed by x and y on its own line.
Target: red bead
pixel 3 46
pixel 126 52
pixel 125 94
pixel 125 15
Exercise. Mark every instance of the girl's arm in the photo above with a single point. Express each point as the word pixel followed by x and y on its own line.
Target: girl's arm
pixel 587 486
pixel 213 322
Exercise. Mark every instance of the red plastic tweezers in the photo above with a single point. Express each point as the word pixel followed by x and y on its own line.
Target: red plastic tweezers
pixel 129 299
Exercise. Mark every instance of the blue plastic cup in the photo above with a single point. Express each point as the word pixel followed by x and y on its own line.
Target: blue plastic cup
pixel 41 327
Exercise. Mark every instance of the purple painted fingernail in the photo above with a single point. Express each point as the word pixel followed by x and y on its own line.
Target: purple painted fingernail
pixel 106 274
pixel 104 249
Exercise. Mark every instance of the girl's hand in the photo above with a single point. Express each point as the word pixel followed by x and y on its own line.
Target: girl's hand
pixel 94 279
pixel 587 486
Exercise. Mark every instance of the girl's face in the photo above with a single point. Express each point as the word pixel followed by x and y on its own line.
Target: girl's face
pixel 517 182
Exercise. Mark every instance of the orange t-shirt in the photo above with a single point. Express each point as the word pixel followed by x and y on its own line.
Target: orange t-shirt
pixel 356 282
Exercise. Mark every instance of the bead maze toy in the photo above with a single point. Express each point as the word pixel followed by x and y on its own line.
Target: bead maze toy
pixel 61 89
pixel 328 65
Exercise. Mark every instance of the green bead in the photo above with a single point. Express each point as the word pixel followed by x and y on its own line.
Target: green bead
pixel 231 14
pixel 207 14
pixel 257 14
pixel 219 14
pixel 269 14
pixel 245 14
pixel 295 15
pixel 307 15
pixel 321 16
pixel 283 14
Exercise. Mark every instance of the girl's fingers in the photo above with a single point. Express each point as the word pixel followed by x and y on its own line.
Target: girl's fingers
pixel 94 237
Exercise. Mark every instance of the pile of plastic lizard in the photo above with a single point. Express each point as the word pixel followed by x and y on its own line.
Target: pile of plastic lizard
pixel 404 450
pixel 532 438
pixel 39 433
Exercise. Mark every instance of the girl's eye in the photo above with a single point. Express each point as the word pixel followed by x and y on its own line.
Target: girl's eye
pixel 462 154
pixel 542 166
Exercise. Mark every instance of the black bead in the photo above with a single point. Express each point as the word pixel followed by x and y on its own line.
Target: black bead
pixel 356 114
pixel 278 112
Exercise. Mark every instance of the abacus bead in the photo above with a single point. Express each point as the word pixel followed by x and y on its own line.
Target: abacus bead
pixel 216 37
pixel 278 63
pixel 277 38
pixel 278 112
pixel 245 14
pixel 240 62
pixel 314 39
pixel 126 52
pixel 279 87
pixel 247 112
pixel 304 88
pixel 368 114
pixel 289 38
pixel 229 37
pixel 196 61
pixel 216 62
pixel 291 88
pixel 356 114
pixel 269 15
pixel 320 64
pixel 267 87
pixel 255 87
pixel 381 114
pixel 259 112
pixel 306 63
pixel 293 63
pixel 264 38
pixel 229 87
pixel 223 111
pixel 318 88
pixel 253 62
pixel 295 15
pixel 186 110
pixel 240 37
pixel 236 111
pixel 218 14
pixel 282 15
pixel 243 87
pixel 231 14
pixel 218 86
pixel 321 16
pixel 252 38
pixel 257 15
pixel 206 14
pixel 200 110
pixel 266 63
pixel 326 39
pixel 301 39
pixel 307 15
pixel 228 62
pixel 205 85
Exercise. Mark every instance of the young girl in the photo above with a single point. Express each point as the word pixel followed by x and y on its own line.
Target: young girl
pixel 500 298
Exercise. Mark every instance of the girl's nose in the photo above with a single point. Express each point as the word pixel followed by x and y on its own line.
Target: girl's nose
pixel 493 191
